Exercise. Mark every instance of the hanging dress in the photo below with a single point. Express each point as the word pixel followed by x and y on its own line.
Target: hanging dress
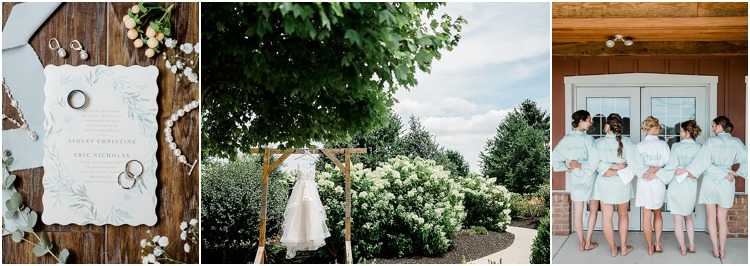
pixel 304 225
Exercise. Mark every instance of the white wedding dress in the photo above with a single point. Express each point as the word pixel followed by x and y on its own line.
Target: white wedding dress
pixel 304 225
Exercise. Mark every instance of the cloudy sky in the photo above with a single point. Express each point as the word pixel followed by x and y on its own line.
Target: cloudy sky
pixel 502 59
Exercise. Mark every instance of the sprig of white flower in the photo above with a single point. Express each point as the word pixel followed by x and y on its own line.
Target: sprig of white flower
pixel 182 61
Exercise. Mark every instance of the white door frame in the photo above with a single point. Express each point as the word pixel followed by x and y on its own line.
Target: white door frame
pixel 639 80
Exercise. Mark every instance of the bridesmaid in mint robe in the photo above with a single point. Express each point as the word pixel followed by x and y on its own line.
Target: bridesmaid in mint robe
pixel 682 193
pixel 612 186
pixel 715 160
pixel 575 154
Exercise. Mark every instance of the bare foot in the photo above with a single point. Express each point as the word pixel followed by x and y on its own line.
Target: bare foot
pixel 722 255
pixel 615 251
pixel 683 251
pixel 650 250
pixel 592 245
pixel 581 248
pixel 691 250
pixel 716 254
pixel 627 250
pixel 657 248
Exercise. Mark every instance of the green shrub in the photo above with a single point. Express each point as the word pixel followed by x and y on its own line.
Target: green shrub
pixel 231 206
pixel 543 193
pixel 540 247
pixel 486 203
pixel 527 205
pixel 402 208
pixel 478 230
pixel 517 202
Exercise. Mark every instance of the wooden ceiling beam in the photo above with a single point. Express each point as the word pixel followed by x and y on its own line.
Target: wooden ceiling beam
pixel 648 10
pixel 650 29
pixel 651 48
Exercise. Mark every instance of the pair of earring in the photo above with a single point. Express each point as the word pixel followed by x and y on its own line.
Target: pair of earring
pixel 54 44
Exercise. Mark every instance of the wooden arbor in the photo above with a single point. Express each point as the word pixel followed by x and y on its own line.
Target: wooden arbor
pixel 269 166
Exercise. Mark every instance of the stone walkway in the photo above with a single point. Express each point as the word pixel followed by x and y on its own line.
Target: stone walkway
pixel 518 253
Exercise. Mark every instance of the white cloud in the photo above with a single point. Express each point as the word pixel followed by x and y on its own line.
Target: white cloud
pixel 446 106
pixel 465 135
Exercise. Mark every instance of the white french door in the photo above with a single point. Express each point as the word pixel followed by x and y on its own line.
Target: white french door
pixel 670 104
pixel 601 101
pixel 673 105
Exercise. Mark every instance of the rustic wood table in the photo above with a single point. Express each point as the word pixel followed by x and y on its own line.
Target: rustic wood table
pixel 99 28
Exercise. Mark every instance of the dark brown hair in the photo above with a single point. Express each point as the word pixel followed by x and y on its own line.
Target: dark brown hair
pixel 615 125
pixel 579 116
pixel 724 122
pixel 692 128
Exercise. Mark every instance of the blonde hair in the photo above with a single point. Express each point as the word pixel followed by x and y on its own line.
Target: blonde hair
pixel 649 122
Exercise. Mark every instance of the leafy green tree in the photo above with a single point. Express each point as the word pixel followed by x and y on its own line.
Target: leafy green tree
pixel 382 144
pixel 296 73
pixel 518 155
pixel 456 162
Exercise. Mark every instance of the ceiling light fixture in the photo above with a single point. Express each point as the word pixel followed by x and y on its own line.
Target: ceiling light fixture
pixel 611 43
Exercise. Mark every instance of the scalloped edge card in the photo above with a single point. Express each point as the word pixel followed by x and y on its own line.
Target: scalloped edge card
pixel 86 149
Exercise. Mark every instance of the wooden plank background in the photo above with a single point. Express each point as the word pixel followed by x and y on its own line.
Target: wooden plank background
pixel 99 28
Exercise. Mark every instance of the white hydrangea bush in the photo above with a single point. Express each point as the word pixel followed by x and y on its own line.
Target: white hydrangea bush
pixel 404 207
pixel 487 203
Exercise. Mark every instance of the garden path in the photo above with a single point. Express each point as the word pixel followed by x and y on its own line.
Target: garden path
pixel 518 253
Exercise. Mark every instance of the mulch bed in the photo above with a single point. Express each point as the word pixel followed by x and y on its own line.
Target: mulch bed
pixel 526 222
pixel 471 247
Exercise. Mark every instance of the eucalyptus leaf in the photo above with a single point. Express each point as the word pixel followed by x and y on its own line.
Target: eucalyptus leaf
pixel 8 181
pixel 39 250
pixel 64 256
pixel 44 240
pixel 32 219
pixel 15 202
pixel 18 236
pixel 9 214
pixel 9 161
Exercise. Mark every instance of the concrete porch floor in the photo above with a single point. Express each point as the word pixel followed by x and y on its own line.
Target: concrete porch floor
pixel 564 250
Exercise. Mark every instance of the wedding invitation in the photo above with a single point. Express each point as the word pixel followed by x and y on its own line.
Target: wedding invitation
pixel 97 119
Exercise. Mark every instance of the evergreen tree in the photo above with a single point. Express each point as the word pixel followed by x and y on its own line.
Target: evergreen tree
pixel 518 155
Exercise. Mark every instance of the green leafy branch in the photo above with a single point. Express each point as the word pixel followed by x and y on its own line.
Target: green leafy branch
pixel 28 218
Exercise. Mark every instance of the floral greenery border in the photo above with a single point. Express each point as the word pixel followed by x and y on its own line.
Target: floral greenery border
pixel 29 218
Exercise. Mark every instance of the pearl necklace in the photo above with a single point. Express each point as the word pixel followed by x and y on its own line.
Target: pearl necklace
pixel 168 132
pixel 23 124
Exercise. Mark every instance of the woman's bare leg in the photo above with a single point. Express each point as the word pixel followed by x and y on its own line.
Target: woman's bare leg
pixel 679 234
pixel 622 216
pixel 690 230
pixel 646 223
pixel 658 227
pixel 711 213
pixel 722 215
pixel 608 211
pixel 578 223
pixel 593 212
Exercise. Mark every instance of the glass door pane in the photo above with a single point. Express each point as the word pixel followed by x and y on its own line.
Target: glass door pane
pixel 672 106
pixel 601 101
